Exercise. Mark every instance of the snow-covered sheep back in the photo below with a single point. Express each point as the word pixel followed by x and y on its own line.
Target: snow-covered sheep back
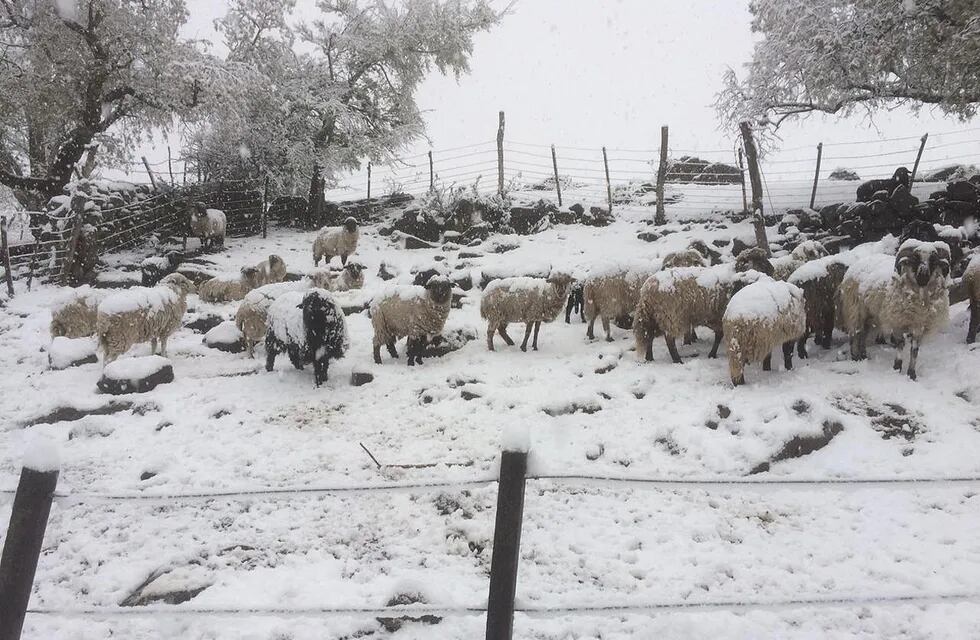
pixel 228 288
pixel 75 315
pixel 251 318
pixel 760 317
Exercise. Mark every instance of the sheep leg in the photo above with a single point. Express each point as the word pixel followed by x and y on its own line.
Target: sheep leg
pixel 343 259
pixel 590 331
pixel 913 355
pixel 649 352
pixel 971 333
pixel 527 334
pixel 534 343
pixel 672 349
pixel 690 337
pixel 569 306
pixel 295 356
pixel 377 353
pixel 490 331
pixel 788 355
pixel 605 327
pixel 502 330
pixel 581 311
pixel 801 346
pixel 163 345
pixel 767 363
pixel 391 349
pixel 153 345
pixel 270 356
pixel 410 350
pixel 320 371
pixel 714 347
pixel 899 352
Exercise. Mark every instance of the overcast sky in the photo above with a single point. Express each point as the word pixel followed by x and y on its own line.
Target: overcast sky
pixel 587 73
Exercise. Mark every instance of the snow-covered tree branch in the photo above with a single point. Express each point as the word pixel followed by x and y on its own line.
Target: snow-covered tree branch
pixel 836 56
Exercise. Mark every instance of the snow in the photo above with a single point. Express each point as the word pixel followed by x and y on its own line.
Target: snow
pixel 515 436
pixel 519 284
pixel 818 268
pixel 764 299
pixel 139 298
pixel 286 317
pixel 924 247
pixel 71 295
pixel 134 369
pixel 64 351
pixel 872 272
pixel 42 454
pixel 225 424
pixel 224 333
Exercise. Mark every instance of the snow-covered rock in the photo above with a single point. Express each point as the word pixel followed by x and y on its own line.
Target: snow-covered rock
pixel 71 352
pixel 225 337
pixel 135 375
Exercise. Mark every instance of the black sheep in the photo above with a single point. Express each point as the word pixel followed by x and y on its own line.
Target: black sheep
pixel 576 302
pixel 867 190
pixel 308 326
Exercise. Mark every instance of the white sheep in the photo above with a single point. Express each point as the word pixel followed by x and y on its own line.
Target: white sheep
pixel 350 277
pixel 906 297
pixel 209 225
pixel 252 316
pixel 804 252
pixel 271 270
pixel 674 300
pixel 758 318
pixel 528 300
pixel 611 291
pixel 142 314
pixel 410 311
pixel 228 288
pixel 336 241
pixel 75 316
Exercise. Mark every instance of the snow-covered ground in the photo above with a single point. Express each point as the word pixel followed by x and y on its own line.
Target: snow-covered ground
pixel 791 560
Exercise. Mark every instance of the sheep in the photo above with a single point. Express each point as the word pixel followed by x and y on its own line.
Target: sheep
pixel 336 241
pixel 820 279
pixel 690 257
pixel 226 288
pixel 209 225
pixel 674 300
pixel 759 317
pixel 350 277
pixel 611 292
pixel 309 326
pixel 971 280
pixel 906 296
pixel 804 252
pixel 142 314
pixel 528 300
pixel 867 190
pixel 576 302
pixel 410 311
pixel 252 316
pixel 754 259
pixel 75 316
pixel 271 270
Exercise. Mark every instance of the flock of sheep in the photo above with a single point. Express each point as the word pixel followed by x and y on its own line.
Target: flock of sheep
pixel 755 303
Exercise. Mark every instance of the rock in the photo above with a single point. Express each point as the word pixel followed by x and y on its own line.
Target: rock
pixel 457 300
pixel 360 378
pixel 422 277
pixel 169 586
pixel 463 280
pixel 419 224
pixel 648 236
pixel 903 202
pixel 153 269
pixel 225 337
pixel 577 209
pixel 843 174
pixel 68 352
pixel 830 215
pixel 476 232
pixel 439 258
pixel 719 173
pixel 135 375
pixel 526 220
pixel 739 245
pixel 720 242
pixel 962 191
pixel 598 217
pixel 384 232
pixel 466 255
pixel 881 195
pixel 386 272
pixel 204 322
pixel 412 242
pixel 920 230
pixel 449 341
pixel 503 246
pixel 194 273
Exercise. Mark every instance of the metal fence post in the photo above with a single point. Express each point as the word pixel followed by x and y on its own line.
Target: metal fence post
pixel 506 545
pixel 22 548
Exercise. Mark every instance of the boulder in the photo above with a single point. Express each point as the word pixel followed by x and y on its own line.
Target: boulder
pixel 903 203
pixel 449 341
pixel 843 174
pixel 225 337
pixel 204 322
pixel 359 377
pixel 420 224
pixel 962 191
pixel 830 215
pixel 476 232
pixel 71 352
pixel 386 271
pixel 412 242
pixel 463 280
pixel 739 245
pixel 194 273
pixel 135 375
pixel 648 236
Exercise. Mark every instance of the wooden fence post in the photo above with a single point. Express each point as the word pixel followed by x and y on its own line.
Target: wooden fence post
pixel 506 545
pixel 816 175
pixel 741 168
pixel 751 156
pixel 918 156
pixel 22 548
pixel 500 154
pixel 265 208
pixel 170 167
pixel 149 172
pixel 661 216
pixel 554 163
pixel 369 181
pixel 5 250
pixel 605 162
pixel 432 175
pixel 30 269
pixel 78 209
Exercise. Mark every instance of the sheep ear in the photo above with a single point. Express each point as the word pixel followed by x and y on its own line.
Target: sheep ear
pixel 903 257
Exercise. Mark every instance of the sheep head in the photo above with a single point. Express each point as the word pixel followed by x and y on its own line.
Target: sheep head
pixel 350 224
pixel 902 176
pixel 199 210
pixel 251 276
pixel 275 260
pixel 700 247
pixel 560 281
pixel 922 262
pixel 754 259
pixel 440 289
pixel 179 283
pixel 355 269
